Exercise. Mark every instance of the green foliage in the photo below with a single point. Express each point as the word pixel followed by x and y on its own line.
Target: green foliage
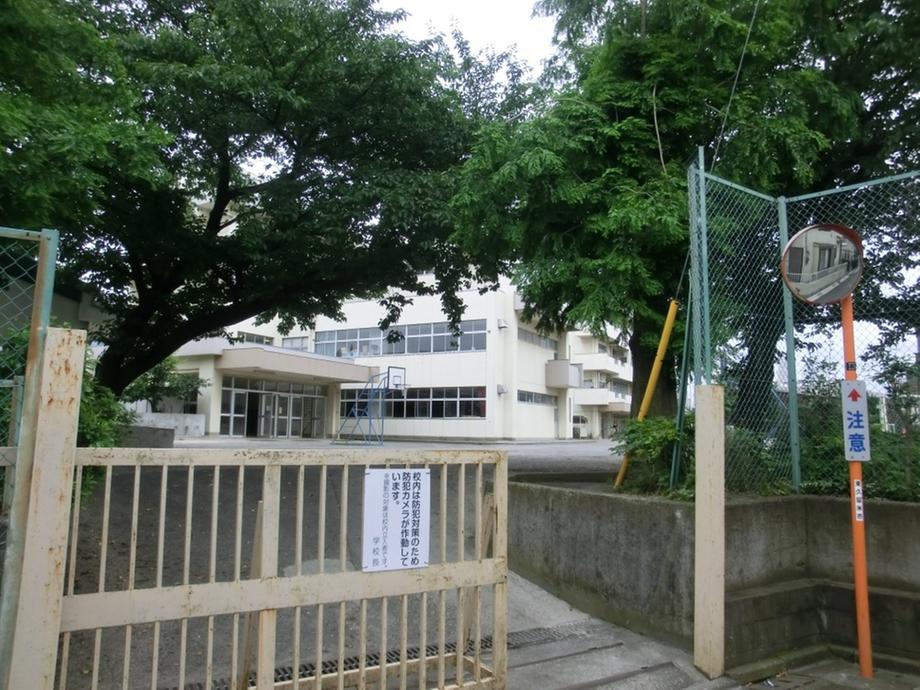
pixel 894 469
pixel 65 113
pixel 238 158
pixel 102 416
pixel 163 381
pixel 586 203
pixel 649 444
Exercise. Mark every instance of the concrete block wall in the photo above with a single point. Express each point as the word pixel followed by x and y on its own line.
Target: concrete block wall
pixel 604 554
pixel 147 437
pixel 788 566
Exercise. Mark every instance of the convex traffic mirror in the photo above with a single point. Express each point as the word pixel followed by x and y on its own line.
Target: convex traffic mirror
pixel 822 264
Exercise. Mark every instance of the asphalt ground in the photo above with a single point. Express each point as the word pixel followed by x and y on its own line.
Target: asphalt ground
pixel 588 455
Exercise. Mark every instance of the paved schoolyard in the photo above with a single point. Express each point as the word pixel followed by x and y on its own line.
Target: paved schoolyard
pixel 591 455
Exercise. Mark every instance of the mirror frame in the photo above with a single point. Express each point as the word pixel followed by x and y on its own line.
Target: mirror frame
pixel 849 233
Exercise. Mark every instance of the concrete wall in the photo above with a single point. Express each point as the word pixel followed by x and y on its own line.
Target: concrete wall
pixel 147 437
pixel 624 558
pixel 185 425
pixel 788 566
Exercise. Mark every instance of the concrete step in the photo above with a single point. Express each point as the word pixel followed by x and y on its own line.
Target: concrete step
pixel 594 654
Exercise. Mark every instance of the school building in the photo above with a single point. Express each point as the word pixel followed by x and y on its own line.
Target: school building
pixel 499 379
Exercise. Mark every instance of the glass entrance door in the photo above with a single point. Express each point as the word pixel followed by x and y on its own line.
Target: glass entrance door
pixel 282 415
pixel 267 415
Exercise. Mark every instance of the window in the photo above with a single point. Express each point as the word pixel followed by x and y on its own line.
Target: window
pixel 413 339
pixel 235 392
pixel 256 338
pixel 825 257
pixel 190 402
pixel 536 398
pixel 299 344
pixel 538 340
pixel 423 403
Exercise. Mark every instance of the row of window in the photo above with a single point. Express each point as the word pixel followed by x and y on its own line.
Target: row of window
pixel 415 338
pixel 256 338
pixel 421 403
pixel 537 339
pixel 248 384
pixel 536 398
pixel 301 344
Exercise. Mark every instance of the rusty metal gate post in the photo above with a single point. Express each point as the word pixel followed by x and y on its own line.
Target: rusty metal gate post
pixel 34 645
pixel 19 501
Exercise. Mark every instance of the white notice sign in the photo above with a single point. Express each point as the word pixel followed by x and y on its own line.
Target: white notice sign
pixel 397 516
pixel 855 420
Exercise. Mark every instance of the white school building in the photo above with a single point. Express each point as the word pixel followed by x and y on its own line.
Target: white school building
pixel 500 379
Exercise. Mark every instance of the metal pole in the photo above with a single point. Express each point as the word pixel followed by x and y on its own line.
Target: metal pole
pixel 19 509
pixel 795 448
pixel 704 268
pixel 857 518
pixel 696 318
pixel 681 400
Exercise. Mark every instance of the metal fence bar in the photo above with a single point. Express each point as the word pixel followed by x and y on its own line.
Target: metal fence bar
pixel 268 617
pixel 161 540
pixel 737 187
pixel 858 185
pixel 103 563
pixel 696 277
pixel 186 566
pixel 71 572
pixel 132 563
pixel 791 379
pixel 704 269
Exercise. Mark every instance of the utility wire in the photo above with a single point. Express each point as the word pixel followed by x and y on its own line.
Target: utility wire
pixel 731 96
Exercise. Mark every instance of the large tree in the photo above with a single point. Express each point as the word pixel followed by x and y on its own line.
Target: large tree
pixel 284 155
pixel 587 201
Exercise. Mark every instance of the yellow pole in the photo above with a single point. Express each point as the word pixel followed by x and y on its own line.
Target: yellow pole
pixel 652 379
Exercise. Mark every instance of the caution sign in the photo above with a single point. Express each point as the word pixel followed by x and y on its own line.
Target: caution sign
pixel 855 404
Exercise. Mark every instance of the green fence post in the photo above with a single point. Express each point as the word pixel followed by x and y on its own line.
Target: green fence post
pixel 792 406
pixel 693 304
pixel 704 269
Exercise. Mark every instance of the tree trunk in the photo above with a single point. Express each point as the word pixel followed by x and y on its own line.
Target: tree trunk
pixel 138 345
pixel 664 398
pixel 755 404
pixel 125 359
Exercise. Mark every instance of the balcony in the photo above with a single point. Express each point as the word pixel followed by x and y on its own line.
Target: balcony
pixel 603 398
pixel 601 361
pixel 561 373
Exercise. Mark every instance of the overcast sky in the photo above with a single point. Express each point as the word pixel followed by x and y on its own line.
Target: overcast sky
pixel 496 23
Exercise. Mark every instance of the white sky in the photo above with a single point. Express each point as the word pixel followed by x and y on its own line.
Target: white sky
pixel 496 23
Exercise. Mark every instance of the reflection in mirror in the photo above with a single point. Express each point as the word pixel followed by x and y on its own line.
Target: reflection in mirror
pixel 822 264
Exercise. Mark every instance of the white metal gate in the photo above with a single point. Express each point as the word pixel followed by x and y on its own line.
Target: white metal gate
pixel 234 568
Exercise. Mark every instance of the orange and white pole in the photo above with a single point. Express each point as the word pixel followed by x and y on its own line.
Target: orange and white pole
pixel 857 511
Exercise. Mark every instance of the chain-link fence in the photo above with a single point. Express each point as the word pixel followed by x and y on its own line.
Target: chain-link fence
pixel 781 360
pixel 27 261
